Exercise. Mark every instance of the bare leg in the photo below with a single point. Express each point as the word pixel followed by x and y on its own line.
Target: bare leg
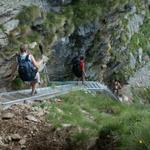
pixel 83 78
pixel 33 86
pixel 37 77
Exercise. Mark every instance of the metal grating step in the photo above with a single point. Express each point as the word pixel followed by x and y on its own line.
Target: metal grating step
pixel 9 97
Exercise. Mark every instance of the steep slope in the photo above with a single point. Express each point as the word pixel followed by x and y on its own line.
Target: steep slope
pixel 112 35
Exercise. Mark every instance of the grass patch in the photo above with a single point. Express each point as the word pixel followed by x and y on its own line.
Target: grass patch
pixel 141 38
pixel 17 83
pixel 86 13
pixel 99 116
pixel 28 14
pixel 141 95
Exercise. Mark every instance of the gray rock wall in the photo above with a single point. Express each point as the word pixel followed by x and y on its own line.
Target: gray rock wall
pixel 104 42
pixel 8 11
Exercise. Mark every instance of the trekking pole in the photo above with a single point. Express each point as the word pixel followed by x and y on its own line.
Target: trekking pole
pixel 45 68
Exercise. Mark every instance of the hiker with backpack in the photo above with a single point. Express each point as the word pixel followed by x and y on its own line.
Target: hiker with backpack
pixel 117 87
pixel 28 67
pixel 78 68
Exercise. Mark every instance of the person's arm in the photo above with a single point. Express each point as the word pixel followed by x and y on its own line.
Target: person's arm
pixel 35 63
pixel 39 64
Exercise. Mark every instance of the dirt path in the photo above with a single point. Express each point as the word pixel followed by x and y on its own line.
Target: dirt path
pixel 24 127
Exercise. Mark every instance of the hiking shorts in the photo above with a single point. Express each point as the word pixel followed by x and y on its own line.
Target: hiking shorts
pixel 37 77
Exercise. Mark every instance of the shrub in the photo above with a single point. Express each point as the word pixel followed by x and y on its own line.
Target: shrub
pixel 28 14
pixel 17 83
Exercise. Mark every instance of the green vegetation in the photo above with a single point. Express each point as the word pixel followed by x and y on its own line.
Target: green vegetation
pixel 59 24
pixel 17 83
pixel 138 40
pixel 141 95
pixel 55 24
pixel 28 14
pixel 86 13
pixel 123 74
pixel 141 38
pixel 23 33
pixel 99 116
pixel 79 12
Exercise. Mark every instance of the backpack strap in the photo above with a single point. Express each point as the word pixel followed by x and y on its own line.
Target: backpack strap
pixel 18 58
pixel 27 58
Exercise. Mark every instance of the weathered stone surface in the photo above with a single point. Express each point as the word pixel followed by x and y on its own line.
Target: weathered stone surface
pixel 7 116
pixel 10 25
pixel 7 139
pixel 134 24
pixel 88 28
pixel 1 141
pixel 141 77
pixel 90 39
pixel 60 2
pixel 22 141
pixel 15 137
pixel 9 8
pixel 8 11
pixel 55 9
pixel 3 39
pixel 140 54
pixel 31 118
pixel 132 61
pixel 146 59
pixel 130 7
pixel 37 24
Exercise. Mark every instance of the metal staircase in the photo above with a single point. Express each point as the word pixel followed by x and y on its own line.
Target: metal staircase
pixel 57 88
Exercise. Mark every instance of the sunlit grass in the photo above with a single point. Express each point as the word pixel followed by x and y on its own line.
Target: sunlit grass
pixel 98 115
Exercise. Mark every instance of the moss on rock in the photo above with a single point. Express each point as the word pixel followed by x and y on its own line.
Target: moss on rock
pixel 29 14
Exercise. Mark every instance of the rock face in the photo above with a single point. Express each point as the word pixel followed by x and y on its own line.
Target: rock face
pixel 60 2
pixel 68 47
pixel 112 42
pixel 7 116
pixel 3 39
pixel 8 11
pixel 93 39
pixel 10 25
pixel 9 8
pixel 141 78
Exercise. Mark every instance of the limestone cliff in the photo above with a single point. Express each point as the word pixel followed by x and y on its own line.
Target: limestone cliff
pixel 112 35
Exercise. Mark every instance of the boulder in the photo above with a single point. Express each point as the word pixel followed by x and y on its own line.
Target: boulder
pixel 132 61
pixel 37 24
pixel 15 137
pixel 22 141
pixel 7 115
pixel 3 39
pixel 10 25
pixel 31 118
